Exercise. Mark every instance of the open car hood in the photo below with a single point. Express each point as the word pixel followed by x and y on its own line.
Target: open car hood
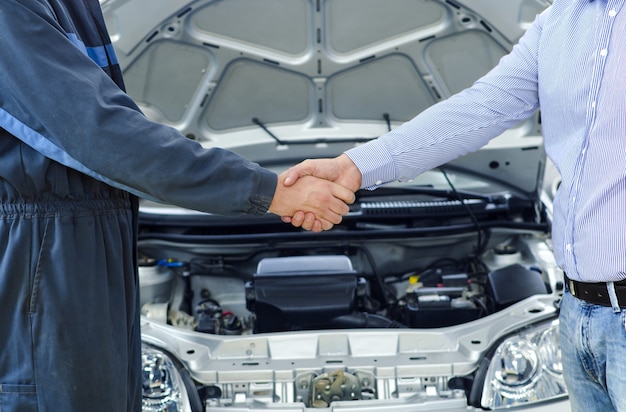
pixel 428 296
pixel 284 80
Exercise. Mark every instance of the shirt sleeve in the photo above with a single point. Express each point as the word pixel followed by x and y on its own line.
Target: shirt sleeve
pixel 57 100
pixel 459 125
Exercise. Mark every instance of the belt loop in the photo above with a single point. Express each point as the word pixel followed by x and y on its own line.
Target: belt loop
pixel 610 286
pixel 570 284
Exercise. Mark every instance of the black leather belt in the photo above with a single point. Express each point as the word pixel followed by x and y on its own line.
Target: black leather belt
pixel 597 292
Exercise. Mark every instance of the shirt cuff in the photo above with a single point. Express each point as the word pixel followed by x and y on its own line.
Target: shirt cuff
pixel 375 163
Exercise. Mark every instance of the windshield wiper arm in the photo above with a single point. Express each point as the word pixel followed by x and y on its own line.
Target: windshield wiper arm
pixel 387 120
pixel 256 121
pixel 280 142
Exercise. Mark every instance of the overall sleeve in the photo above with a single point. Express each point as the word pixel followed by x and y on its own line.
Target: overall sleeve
pixel 54 98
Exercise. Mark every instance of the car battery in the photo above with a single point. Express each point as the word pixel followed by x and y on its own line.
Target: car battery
pixel 444 304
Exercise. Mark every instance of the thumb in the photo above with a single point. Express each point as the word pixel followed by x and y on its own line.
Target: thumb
pixel 296 172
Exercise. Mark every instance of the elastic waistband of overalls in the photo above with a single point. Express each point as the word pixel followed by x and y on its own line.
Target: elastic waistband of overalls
pixel 60 206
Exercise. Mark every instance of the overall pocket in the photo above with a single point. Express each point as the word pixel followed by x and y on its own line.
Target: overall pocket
pixel 18 398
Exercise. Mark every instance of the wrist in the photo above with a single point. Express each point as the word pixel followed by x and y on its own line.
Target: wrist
pixel 350 170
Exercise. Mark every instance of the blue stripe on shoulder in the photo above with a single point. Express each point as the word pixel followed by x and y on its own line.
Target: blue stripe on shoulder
pixel 44 146
pixel 102 55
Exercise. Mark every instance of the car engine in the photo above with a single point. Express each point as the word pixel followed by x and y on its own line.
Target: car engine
pixel 285 290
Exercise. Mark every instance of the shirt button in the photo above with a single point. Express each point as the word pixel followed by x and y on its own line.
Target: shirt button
pixel 593 104
pixel 603 52
pixel 379 182
pixel 612 13
pixel 568 247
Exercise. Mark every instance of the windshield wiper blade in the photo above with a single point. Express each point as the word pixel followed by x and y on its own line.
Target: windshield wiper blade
pixel 280 142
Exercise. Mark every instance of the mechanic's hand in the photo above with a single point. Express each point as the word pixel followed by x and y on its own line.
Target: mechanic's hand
pixel 340 170
pixel 326 202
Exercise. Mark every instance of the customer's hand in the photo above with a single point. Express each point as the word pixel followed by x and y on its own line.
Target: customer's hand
pixel 324 201
pixel 340 170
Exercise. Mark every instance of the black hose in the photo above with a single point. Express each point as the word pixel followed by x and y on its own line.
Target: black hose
pixel 364 320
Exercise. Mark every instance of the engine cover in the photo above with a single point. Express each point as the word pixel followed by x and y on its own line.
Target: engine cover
pixel 301 292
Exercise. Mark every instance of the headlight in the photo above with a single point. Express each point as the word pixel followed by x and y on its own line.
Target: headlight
pixel 163 387
pixel 525 368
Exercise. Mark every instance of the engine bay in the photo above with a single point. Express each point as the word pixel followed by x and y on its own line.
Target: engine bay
pixel 278 315
pixel 295 286
pixel 410 255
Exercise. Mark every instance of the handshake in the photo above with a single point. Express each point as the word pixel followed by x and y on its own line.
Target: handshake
pixel 315 194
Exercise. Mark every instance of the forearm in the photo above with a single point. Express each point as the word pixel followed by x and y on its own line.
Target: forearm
pixel 461 124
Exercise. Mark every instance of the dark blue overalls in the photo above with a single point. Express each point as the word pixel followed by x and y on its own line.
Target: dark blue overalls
pixel 75 151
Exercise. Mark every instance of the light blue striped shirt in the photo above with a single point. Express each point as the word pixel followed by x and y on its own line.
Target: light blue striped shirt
pixel 572 63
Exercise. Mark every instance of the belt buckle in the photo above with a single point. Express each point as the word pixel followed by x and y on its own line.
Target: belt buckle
pixel 572 287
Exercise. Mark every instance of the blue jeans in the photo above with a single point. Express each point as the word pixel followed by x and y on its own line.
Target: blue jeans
pixel 593 346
